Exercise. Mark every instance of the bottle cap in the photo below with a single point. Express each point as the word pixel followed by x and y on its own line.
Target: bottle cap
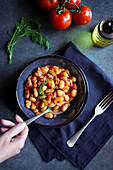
pixel 106 28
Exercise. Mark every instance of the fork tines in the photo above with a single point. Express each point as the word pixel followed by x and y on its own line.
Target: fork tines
pixel 106 101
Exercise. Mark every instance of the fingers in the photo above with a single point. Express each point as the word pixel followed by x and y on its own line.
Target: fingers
pixel 20 129
pixel 22 136
pixel 15 130
pixel 18 119
pixel 20 139
pixel 24 133
pixel 7 123
pixel 10 123
pixel 3 130
pixel 13 138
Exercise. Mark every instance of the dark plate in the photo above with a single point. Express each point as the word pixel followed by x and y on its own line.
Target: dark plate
pixel 77 105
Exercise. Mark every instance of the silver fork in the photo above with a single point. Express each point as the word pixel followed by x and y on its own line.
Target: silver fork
pixel 99 109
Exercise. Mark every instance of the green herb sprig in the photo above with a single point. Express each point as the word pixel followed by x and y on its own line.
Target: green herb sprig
pixel 40 91
pixel 42 97
pixel 29 27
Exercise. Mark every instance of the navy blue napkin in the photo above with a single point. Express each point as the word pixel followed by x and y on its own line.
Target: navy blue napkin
pixel 51 142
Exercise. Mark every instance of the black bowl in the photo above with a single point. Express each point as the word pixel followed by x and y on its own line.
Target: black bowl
pixel 77 105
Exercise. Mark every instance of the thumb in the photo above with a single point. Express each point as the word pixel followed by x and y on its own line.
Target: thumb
pixel 16 130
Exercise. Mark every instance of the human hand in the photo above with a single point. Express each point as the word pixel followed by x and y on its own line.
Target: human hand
pixel 13 138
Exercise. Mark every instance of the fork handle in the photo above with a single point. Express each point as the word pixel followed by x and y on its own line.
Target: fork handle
pixel 71 142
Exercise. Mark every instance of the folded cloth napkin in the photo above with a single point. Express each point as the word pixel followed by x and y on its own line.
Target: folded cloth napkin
pixel 51 142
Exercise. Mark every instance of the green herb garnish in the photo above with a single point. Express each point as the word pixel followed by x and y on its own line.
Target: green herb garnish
pixel 29 27
pixel 53 90
pixel 40 97
pixel 40 91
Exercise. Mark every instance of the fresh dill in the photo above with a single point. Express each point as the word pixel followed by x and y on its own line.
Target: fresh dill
pixel 28 27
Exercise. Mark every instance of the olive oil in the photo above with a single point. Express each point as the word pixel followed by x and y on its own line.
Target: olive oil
pixel 102 34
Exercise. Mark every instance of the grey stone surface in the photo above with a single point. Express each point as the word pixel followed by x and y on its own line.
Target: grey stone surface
pixel 26 51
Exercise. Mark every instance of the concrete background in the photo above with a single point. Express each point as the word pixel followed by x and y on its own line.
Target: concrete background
pixel 26 51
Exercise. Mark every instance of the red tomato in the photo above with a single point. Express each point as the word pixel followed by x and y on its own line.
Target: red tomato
pixel 60 21
pixel 70 6
pixel 47 4
pixel 83 16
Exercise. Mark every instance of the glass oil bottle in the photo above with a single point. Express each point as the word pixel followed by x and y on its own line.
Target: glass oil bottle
pixel 102 34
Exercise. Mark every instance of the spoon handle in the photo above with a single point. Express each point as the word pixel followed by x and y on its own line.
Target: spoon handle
pixel 34 118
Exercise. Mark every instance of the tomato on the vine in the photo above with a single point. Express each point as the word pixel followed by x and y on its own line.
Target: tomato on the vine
pixel 62 20
pixel 70 6
pixel 47 4
pixel 82 16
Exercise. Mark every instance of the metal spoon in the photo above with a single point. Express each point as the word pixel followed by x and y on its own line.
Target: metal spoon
pixel 41 114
